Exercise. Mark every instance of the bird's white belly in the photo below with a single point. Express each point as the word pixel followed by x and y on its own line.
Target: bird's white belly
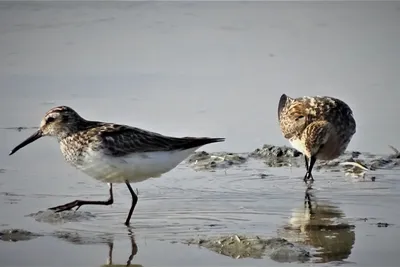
pixel 298 145
pixel 134 168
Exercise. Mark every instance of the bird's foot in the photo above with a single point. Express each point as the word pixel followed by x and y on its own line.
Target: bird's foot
pixel 79 203
pixel 308 178
pixel 68 206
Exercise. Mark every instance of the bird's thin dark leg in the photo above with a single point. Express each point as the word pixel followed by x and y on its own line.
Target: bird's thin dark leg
pixel 312 162
pixel 79 203
pixel 306 161
pixel 307 200
pixel 110 253
pixel 309 168
pixel 134 250
pixel 134 201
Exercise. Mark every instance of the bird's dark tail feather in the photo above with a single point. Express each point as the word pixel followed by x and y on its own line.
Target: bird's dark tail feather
pixel 191 142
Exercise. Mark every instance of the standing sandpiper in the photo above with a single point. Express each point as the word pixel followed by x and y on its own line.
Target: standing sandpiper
pixel 319 127
pixel 113 153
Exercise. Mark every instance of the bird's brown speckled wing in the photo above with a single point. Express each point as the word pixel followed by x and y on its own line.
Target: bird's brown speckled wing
pixel 290 123
pixel 120 140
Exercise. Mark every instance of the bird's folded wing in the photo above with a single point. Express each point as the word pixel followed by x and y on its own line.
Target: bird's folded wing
pixel 120 140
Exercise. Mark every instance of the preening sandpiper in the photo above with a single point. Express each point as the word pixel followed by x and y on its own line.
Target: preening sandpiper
pixel 113 153
pixel 319 127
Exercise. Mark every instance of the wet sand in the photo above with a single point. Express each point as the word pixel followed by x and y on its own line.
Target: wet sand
pixel 133 63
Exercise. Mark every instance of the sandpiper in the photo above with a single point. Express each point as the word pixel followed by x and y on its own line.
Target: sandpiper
pixel 319 127
pixel 113 153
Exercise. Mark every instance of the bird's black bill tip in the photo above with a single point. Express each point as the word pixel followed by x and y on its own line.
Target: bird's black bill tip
pixel 29 140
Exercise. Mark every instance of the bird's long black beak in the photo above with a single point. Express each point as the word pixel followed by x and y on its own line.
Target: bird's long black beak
pixel 29 140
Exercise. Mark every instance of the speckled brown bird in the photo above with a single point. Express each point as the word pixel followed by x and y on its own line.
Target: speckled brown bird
pixel 320 127
pixel 113 153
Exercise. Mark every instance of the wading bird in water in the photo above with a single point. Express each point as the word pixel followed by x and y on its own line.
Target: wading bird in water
pixel 319 127
pixel 113 153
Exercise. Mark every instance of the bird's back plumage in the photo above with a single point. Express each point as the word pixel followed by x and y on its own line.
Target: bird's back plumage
pixel 121 140
pixel 313 109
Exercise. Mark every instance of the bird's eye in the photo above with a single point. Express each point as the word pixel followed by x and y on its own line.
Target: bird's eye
pixel 50 119
pixel 299 117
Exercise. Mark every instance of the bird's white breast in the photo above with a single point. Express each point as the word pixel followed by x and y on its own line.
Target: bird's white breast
pixel 298 145
pixel 135 167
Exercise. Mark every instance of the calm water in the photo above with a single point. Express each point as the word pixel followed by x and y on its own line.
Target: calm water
pixel 202 69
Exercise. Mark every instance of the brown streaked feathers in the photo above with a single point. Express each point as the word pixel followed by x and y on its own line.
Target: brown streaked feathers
pixel 296 114
pixel 315 136
pixel 319 127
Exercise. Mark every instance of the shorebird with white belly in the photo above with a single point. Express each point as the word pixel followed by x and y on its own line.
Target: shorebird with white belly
pixel 319 127
pixel 113 153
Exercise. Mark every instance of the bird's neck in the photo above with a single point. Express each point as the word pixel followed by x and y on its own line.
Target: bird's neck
pixel 77 127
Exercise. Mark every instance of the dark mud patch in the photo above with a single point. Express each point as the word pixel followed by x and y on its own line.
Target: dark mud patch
pixel 383 224
pixel 238 246
pixel 268 151
pixel 11 198
pixel 18 128
pixel 211 161
pixel 352 163
pixel 121 265
pixel 357 164
pixel 82 238
pixel 52 217
pixel 374 222
pixel 15 235
pixel 277 156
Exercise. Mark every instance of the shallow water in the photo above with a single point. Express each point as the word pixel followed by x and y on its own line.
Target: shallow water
pixel 224 65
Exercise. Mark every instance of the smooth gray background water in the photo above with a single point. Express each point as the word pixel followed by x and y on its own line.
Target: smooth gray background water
pixel 195 68
pixel 201 69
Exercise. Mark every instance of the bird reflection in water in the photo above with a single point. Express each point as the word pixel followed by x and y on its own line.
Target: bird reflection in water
pixel 322 225
pixel 134 250
pixel 87 238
